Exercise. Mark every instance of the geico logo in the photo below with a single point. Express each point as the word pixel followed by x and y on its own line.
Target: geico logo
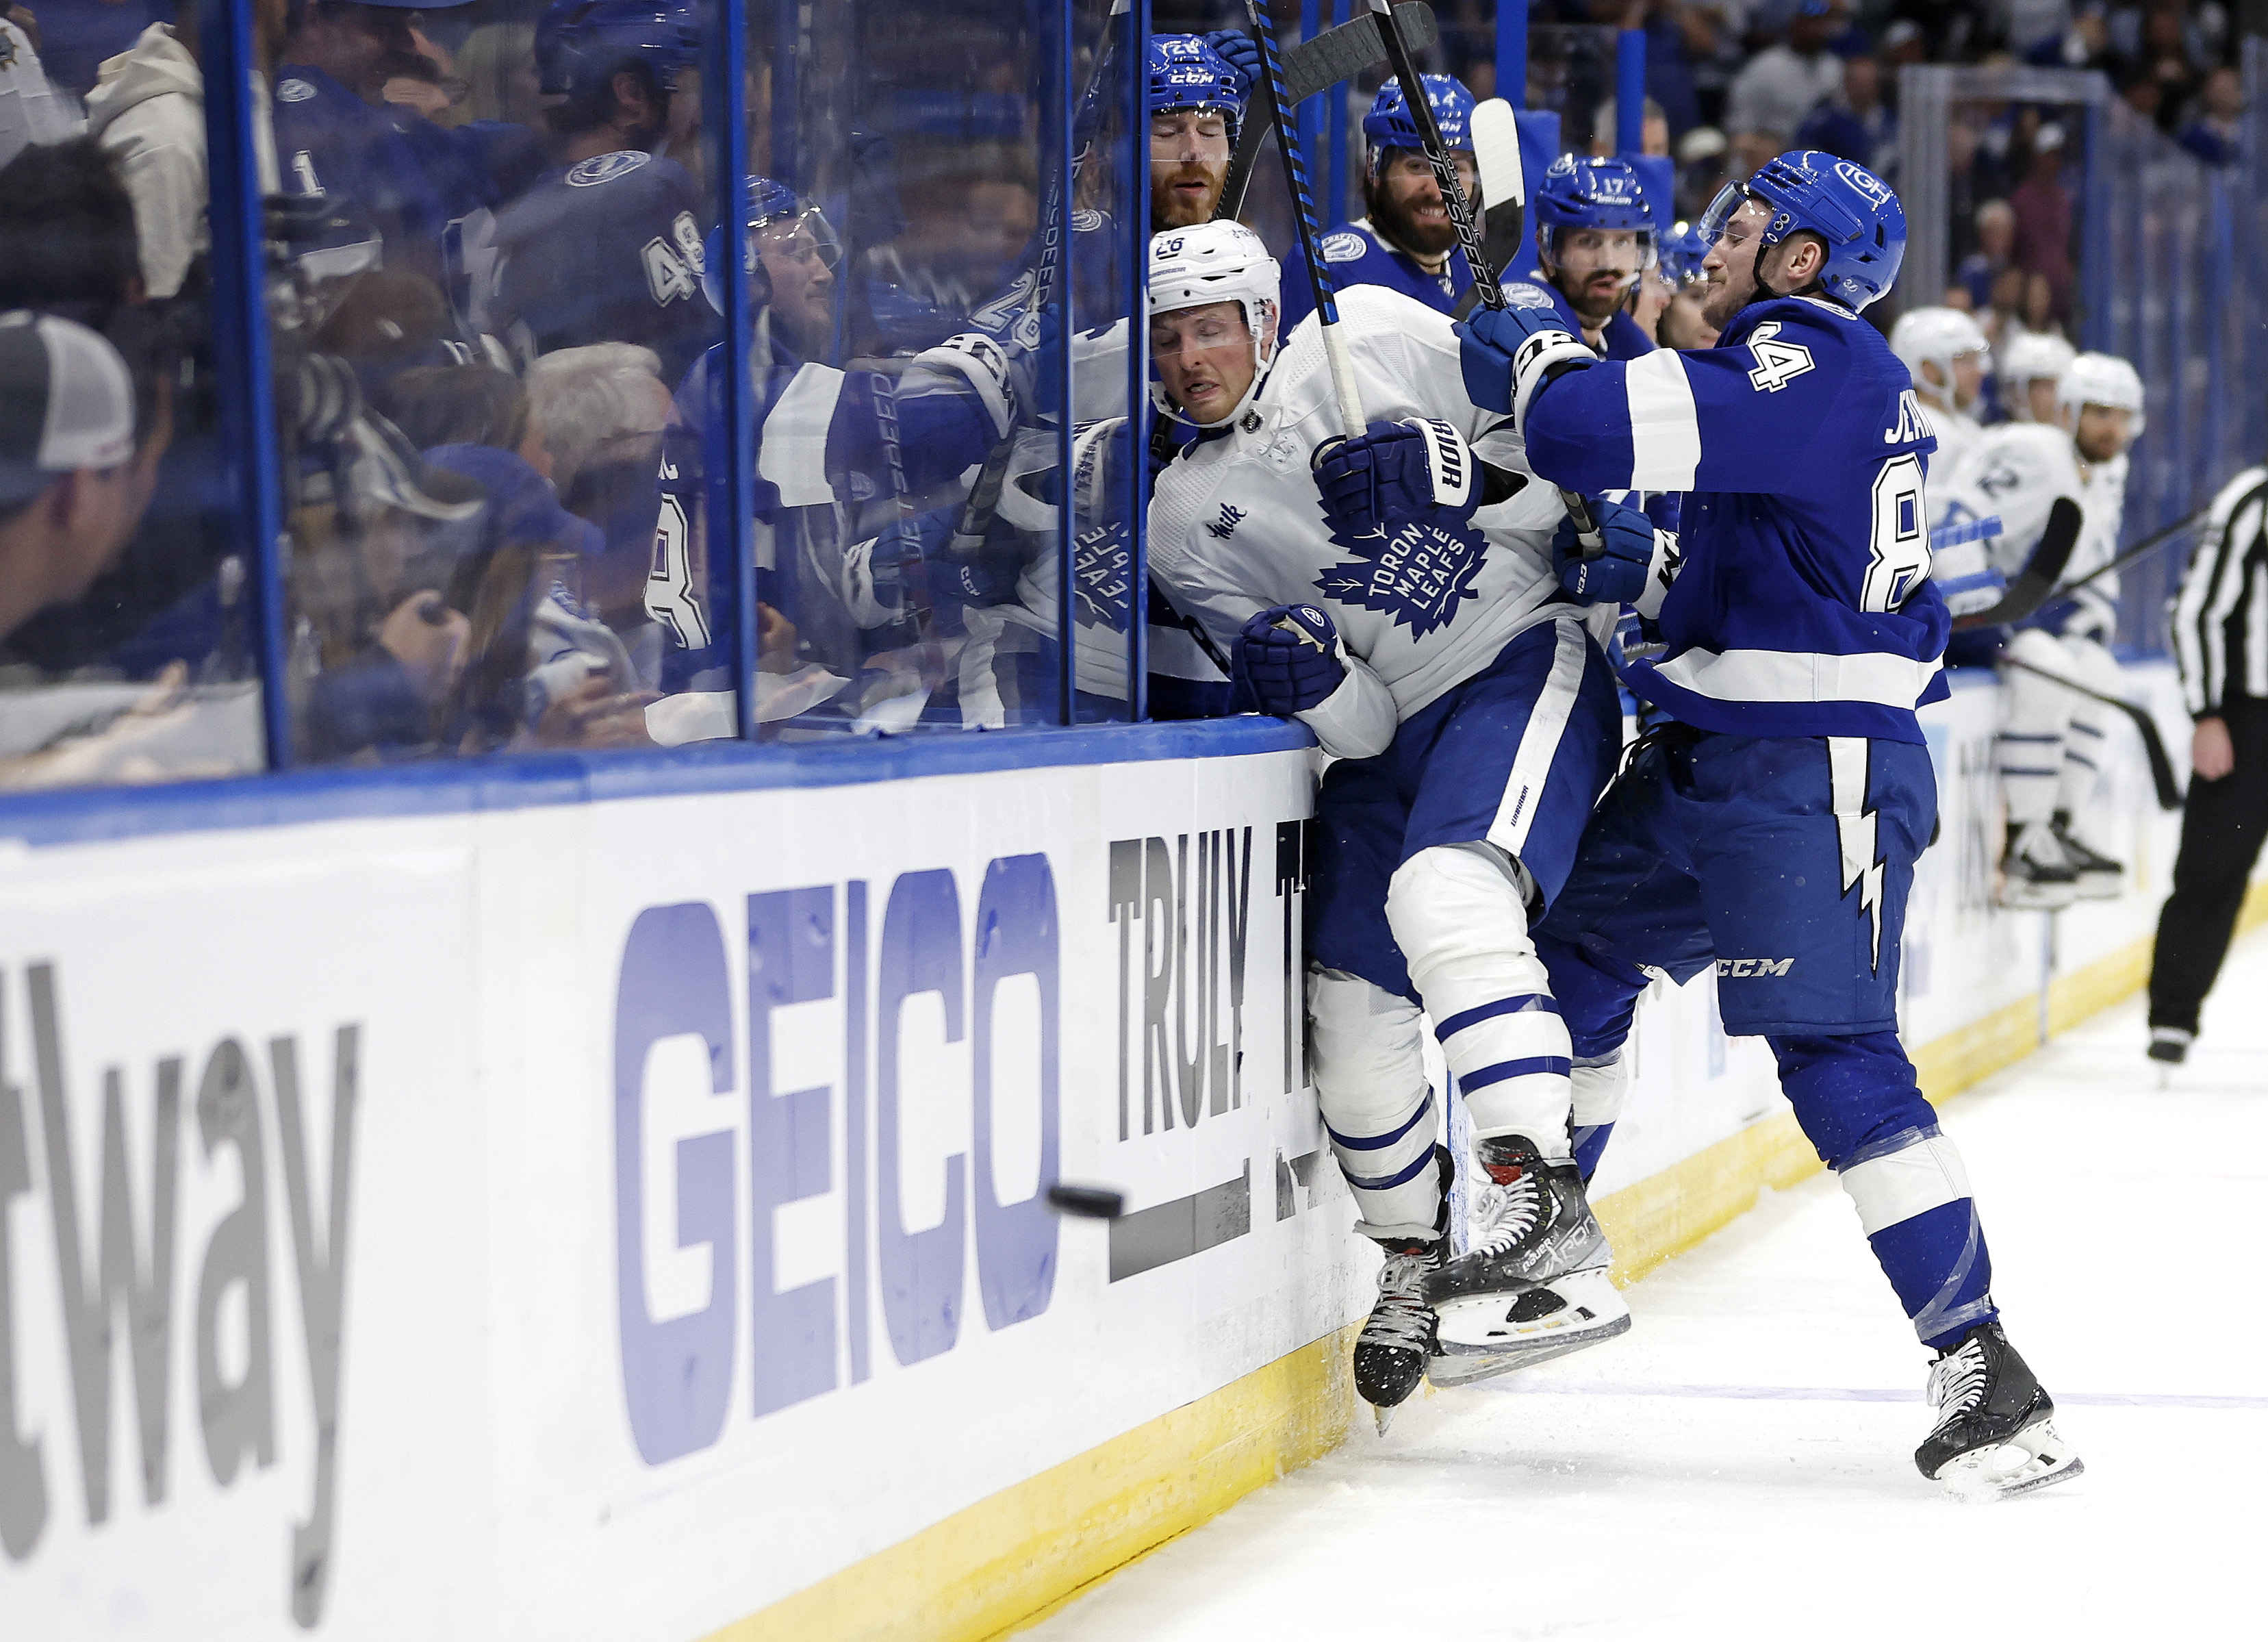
pixel 683 1227
pixel 1746 969
pixel 100 1271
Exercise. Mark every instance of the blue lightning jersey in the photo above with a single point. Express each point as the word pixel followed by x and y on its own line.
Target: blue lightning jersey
pixel 1622 339
pixel 1359 256
pixel 1804 606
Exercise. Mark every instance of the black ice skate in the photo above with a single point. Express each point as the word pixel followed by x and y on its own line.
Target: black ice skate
pixel 2034 874
pixel 2170 1044
pixel 1391 1352
pixel 2098 877
pixel 1995 1433
pixel 1535 1280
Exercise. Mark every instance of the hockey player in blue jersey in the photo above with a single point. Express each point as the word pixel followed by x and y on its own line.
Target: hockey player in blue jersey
pixel 1595 237
pixel 1771 829
pixel 1404 241
pixel 606 247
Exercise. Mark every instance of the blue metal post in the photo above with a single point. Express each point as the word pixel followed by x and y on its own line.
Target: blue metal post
pixel 1137 253
pixel 1629 93
pixel 1056 123
pixel 242 358
pixel 733 492
pixel 2095 279
pixel 1512 52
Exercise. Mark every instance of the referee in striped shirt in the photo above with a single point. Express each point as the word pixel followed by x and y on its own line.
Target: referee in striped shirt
pixel 2220 638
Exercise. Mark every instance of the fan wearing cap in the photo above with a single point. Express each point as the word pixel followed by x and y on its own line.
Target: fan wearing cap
pixel 2048 746
pixel 1403 241
pixel 1771 829
pixel 1948 357
pixel 72 487
pixel 1595 237
pixel 1405 596
pixel 606 247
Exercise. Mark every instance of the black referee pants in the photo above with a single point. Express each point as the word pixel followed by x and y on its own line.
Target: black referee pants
pixel 2222 827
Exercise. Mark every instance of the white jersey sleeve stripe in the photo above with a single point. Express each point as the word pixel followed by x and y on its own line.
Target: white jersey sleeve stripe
pixel 1665 432
pixel 1539 743
pixel 1779 675
pixel 794 453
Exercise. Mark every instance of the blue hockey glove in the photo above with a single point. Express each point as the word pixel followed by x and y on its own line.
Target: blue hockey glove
pixel 1397 472
pixel 1509 354
pixel 1617 576
pixel 1240 52
pixel 1288 656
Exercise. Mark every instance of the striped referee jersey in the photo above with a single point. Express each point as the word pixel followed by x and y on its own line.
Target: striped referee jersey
pixel 2221 615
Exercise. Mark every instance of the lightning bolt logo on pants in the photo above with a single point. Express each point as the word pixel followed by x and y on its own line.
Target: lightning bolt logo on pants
pixel 1863 865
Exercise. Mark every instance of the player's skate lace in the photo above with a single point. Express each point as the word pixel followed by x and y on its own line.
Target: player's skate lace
pixel 1401 1318
pixel 1506 1213
pixel 1956 1381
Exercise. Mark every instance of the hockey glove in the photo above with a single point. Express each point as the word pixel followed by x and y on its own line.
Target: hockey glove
pixel 1617 576
pixel 1288 657
pixel 1242 53
pixel 1001 368
pixel 1509 355
pixel 1397 472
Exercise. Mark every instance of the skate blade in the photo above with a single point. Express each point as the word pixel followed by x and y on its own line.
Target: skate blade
pixel 2034 1458
pixel 1490 1325
pixel 2033 901
pixel 2102 889
pixel 1384 1417
pixel 1444 1371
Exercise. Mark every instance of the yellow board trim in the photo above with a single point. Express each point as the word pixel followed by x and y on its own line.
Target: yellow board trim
pixel 1010 1560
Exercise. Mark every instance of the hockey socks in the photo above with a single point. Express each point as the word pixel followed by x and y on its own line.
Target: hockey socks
pixel 1370 1082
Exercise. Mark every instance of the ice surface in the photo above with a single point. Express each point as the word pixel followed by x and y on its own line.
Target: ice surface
pixel 1740 1464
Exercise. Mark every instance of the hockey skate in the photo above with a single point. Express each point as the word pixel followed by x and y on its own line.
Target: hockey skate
pixel 2169 1047
pixel 2098 877
pixel 1535 1281
pixel 2034 874
pixel 1995 1434
pixel 1391 1351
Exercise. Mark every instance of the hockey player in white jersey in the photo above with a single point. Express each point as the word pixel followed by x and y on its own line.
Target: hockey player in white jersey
pixel 2027 369
pixel 2049 745
pixel 1948 357
pixel 1399 597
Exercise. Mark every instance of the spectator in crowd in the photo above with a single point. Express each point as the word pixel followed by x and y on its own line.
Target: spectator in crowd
pixel 497 64
pixel 2043 208
pixel 30 110
pixel 468 404
pixel 1750 150
pixel 1996 243
pixel 2217 125
pixel 67 240
pixel 1654 130
pixel 1700 170
pixel 2169 49
pixel 1902 45
pixel 1784 83
pixel 1855 123
pixel 1947 28
pixel 603 409
pixel 2083 43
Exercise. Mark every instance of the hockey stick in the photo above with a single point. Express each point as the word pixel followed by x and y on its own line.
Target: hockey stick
pixel 976 521
pixel 2153 746
pixel 1504 186
pixel 1303 211
pixel 1314 66
pixel 1469 233
pixel 2035 583
pixel 2142 549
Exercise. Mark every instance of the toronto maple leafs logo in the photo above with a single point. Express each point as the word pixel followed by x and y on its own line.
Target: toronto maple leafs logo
pixel 1419 576
pixel 1103 577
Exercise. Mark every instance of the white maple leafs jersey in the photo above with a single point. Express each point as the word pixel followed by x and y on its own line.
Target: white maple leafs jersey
pixel 2016 472
pixel 1958 436
pixel 1236 526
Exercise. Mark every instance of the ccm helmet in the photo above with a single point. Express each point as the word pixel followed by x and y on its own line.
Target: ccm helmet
pixel 1185 72
pixel 1580 194
pixel 2099 379
pixel 1936 336
pixel 1845 205
pixel 1217 261
pixel 1390 123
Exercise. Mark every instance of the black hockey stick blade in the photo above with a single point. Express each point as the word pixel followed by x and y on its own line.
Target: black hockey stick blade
pixel 1087 1202
pixel 2035 583
pixel 2153 745
pixel 1331 58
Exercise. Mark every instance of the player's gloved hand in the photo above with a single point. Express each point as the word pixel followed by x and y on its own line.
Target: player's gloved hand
pixel 1617 576
pixel 1003 368
pixel 1288 656
pixel 1240 52
pixel 1397 472
pixel 910 565
pixel 1508 355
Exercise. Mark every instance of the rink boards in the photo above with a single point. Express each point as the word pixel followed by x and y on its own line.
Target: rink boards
pixel 557 1214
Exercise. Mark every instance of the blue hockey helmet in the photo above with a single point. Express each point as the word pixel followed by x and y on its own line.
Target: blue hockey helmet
pixel 1389 124
pixel 1845 205
pixel 1185 72
pixel 765 203
pixel 1682 250
pixel 579 43
pixel 1601 195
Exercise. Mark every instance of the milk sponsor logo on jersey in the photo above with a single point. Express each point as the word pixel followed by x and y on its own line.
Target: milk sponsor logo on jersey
pixel 1420 575
pixel 1344 246
pixel 606 167
pixel 1225 527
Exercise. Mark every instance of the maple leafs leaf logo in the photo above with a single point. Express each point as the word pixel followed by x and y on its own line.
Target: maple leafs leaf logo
pixel 1417 572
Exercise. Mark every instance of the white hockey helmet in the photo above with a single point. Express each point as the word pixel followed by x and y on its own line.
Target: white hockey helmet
pixel 1218 262
pixel 2099 379
pixel 2032 354
pixel 1938 335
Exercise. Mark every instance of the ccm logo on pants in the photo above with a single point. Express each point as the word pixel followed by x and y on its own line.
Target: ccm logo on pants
pixel 1745 967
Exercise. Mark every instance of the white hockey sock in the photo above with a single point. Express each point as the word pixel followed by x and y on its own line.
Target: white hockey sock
pixel 2030 745
pixel 2090 722
pixel 1370 1080
pixel 1463 927
pixel 1598 1090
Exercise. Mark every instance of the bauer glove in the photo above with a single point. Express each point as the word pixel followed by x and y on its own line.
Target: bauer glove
pixel 1509 354
pixel 1397 472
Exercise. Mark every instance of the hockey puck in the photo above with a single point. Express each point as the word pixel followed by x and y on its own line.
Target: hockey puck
pixel 1088 1203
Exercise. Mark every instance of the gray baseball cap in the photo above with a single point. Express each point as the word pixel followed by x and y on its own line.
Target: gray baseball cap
pixel 66 402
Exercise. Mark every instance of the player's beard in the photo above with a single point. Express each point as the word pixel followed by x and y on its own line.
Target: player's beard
pixel 1172 202
pixel 1593 298
pixel 1392 219
pixel 1723 301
